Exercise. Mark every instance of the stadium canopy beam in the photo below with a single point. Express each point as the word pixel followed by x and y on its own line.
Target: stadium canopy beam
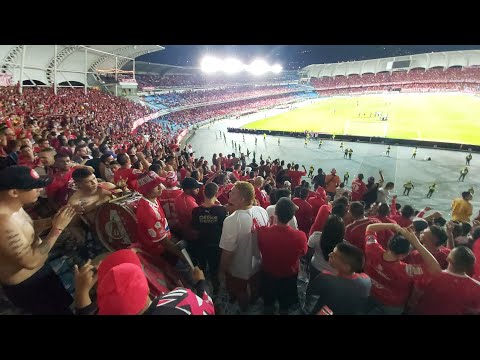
pixel 24 50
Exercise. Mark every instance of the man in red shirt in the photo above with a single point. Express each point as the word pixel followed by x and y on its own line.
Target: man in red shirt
pixel 433 238
pixel 281 248
pixel 59 189
pixel 392 279
pixel 476 252
pixel 355 232
pixel 338 207
pixel 260 195
pixel 184 204
pixel 152 227
pixel 449 292
pixel 405 219
pixel 317 200
pixel 304 213
pixel 126 176
pixel 167 200
pixel 27 158
pixel 383 212
pixel 296 176
pixel 358 188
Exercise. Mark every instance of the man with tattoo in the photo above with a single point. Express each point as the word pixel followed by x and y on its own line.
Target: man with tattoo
pixel 27 281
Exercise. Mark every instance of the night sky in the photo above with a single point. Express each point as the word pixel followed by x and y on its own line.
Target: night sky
pixel 291 57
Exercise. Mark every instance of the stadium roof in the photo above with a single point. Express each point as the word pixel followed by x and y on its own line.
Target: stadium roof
pixel 162 69
pixel 39 61
pixel 407 62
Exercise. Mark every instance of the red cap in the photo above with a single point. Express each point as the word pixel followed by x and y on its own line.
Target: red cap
pixel 122 285
pixel 148 181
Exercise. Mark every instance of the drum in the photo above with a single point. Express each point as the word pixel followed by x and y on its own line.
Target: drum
pixel 116 222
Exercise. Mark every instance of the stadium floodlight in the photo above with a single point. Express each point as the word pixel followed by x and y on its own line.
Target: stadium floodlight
pixel 232 66
pixel 277 68
pixel 258 67
pixel 211 64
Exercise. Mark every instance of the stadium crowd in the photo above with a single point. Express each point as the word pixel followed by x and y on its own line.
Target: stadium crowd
pixel 177 99
pixel 249 228
pixel 197 79
pixel 415 80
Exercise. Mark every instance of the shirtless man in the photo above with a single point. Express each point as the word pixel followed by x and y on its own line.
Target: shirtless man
pixel 86 199
pixel 27 281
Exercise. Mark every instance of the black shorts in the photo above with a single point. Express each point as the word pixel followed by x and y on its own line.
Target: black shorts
pixel 41 294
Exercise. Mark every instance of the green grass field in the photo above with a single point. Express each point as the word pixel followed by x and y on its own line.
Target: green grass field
pixel 438 117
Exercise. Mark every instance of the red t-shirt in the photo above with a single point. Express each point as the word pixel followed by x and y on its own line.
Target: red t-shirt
pixel 167 200
pixel 152 226
pixel 304 214
pixel 321 218
pixel 476 251
pixel 446 294
pixel 401 220
pixel 441 255
pixel 392 281
pixel 385 235
pixel 183 173
pixel 281 248
pixel 59 187
pixel 358 189
pixel 261 197
pixel 223 193
pixel 130 175
pixel 296 177
pixel 355 232
pixel 184 204
pixel 316 203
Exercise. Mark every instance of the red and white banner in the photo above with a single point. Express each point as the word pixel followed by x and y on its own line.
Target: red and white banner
pixel 143 120
pixel 6 80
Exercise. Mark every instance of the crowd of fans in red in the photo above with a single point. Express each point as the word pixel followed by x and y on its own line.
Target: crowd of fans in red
pixel 415 80
pixel 245 224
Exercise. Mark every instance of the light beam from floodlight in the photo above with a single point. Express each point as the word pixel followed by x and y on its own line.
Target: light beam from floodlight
pixel 258 67
pixel 277 68
pixel 211 64
pixel 232 66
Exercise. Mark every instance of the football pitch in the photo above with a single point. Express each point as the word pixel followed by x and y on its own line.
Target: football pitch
pixel 450 117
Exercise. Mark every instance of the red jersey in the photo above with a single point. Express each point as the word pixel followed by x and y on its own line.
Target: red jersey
pixel 401 220
pixel 183 173
pixel 355 232
pixel 304 214
pixel 262 198
pixel 476 251
pixel 58 189
pixel 130 175
pixel 358 189
pixel 296 177
pixel 447 294
pixel 392 281
pixel 281 248
pixel 152 226
pixel 441 255
pixel 321 218
pixel 167 200
pixel 316 203
pixel 385 235
pixel 223 193
pixel 184 204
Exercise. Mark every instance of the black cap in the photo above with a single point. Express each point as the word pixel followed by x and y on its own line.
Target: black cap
pixel 21 177
pixel 191 183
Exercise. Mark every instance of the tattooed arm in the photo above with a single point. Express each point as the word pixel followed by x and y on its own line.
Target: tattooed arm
pixel 31 253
